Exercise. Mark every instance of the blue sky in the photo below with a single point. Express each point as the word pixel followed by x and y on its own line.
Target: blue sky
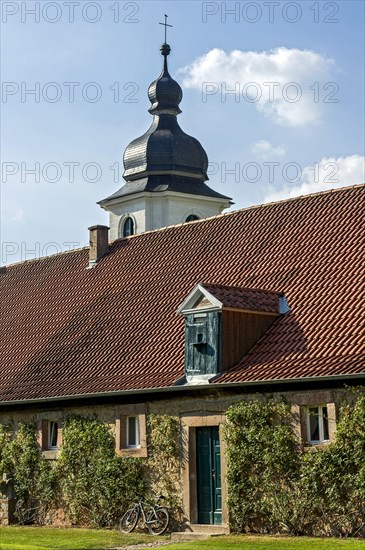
pixel 294 124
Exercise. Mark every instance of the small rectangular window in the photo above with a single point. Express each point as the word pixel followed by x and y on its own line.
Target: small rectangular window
pixel 52 435
pixel 132 431
pixel 318 424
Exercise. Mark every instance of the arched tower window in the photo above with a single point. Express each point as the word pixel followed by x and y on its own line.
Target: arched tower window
pixel 128 227
pixel 191 218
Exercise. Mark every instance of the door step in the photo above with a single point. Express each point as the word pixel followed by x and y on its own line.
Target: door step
pixel 193 531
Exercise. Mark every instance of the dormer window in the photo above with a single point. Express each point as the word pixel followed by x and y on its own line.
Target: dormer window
pixel 191 218
pixel 202 339
pixel 128 227
pixel 222 324
pixel 202 344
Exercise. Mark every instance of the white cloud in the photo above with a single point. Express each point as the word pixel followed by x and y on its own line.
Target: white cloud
pixel 279 76
pixel 265 149
pixel 328 173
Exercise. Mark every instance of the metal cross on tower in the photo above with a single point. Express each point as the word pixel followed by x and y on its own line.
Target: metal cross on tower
pixel 165 25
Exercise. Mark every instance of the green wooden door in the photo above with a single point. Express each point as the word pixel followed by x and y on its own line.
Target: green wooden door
pixel 209 476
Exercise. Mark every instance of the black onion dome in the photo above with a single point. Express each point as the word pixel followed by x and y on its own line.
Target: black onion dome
pixel 165 148
pixel 165 93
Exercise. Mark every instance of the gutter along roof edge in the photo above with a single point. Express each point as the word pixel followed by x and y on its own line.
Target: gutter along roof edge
pixel 179 388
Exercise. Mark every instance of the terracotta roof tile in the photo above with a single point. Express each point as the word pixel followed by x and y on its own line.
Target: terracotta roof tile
pixel 66 329
pixel 246 298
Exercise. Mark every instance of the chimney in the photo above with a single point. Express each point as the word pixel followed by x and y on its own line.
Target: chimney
pixel 99 244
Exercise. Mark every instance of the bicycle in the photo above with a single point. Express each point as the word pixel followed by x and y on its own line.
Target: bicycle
pixel 155 517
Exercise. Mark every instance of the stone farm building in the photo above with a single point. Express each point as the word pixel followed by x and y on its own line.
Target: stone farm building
pixel 184 310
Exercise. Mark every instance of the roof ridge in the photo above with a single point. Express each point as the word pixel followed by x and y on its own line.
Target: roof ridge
pixel 244 209
pixel 323 192
pixel 203 220
pixel 3 268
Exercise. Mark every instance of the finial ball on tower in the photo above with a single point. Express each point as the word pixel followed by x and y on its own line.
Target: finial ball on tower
pixel 165 49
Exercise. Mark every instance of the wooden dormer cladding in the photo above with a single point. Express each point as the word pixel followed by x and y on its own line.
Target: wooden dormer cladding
pixel 202 343
pixel 223 323
pixel 240 332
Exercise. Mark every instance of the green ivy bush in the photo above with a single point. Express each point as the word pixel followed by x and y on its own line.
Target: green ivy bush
pixel 333 480
pixel 275 485
pixel 33 477
pixel 96 485
pixel 262 464
pixel 6 463
pixel 89 481
pixel 164 457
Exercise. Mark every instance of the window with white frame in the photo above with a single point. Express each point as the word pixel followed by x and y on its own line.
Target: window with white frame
pixel 52 435
pixel 317 424
pixel 130 430
pixel 132 435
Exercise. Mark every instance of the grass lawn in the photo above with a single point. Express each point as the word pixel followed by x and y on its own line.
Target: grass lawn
pixel 248 542
pixel 37 538
pixel 48 538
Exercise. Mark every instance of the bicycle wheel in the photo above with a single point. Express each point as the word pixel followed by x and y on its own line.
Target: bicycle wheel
pixel 159 521
pixel 129 520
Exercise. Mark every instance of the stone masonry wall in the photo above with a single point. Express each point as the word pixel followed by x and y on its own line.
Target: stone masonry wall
pixel 192 412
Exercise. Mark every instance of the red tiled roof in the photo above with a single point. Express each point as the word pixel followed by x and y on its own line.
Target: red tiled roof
pixel 245 298
pixel 68 330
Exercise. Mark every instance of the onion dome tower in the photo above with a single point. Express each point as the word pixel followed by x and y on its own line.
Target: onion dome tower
pixel 164 169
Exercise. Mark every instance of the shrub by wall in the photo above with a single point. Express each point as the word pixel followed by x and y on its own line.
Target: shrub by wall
pixel 275 485
pixel 33 477
pixel 88 481
pixel 262 464
pixel 332 482
pixel 164 460
pixel 95 484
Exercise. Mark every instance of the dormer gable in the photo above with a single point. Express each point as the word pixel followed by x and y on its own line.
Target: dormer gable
pixel 222 323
